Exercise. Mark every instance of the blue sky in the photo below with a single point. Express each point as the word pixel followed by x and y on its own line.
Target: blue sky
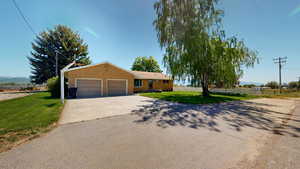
pixel 118 31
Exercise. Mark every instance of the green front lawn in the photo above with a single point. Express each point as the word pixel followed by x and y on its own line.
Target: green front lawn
pixel 27 116
pixel 196 97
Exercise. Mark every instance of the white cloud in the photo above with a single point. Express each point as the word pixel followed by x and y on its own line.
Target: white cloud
pixel 91 32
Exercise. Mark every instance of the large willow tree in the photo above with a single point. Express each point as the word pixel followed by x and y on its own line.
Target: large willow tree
pixel 195 44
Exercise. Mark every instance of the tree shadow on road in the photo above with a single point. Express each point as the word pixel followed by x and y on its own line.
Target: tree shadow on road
pixel 238 115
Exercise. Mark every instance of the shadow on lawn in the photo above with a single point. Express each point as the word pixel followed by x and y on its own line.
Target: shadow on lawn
pixel 238 115
pixel 197 99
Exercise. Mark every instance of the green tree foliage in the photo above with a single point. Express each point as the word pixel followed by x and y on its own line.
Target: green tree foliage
pixel 293 85
pixel 62 41
pixel 249 85
pixel 196 46
pixel 53 85
pixel 272 85
pixel 146 64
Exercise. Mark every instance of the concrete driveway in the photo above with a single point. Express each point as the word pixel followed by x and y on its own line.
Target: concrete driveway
pixel 164 135
pixel 77 110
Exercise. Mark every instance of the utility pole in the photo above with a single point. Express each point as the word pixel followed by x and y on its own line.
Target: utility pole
pixel 280 61
pixel 56 64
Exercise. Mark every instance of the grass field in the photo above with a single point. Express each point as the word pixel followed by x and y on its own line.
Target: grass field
pixel 274 93
pixel 196 97
pixel 26 117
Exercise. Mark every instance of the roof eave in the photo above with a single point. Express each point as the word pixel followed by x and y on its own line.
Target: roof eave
pixel 152 78
pixel 87 66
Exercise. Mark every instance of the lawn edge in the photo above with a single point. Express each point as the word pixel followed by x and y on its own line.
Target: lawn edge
pixel 39 134
pixel 255 97
pixel 200 104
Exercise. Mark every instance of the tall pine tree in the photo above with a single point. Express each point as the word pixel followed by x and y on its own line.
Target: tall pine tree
pixel 60 41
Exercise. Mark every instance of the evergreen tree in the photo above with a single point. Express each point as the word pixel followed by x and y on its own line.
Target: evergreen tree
pixel 60 42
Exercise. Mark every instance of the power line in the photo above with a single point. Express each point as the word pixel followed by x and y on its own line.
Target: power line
pixel 24 18
pixel 32 30
pixel 280 61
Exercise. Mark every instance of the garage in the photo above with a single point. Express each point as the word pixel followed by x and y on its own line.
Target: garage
pixel 105 79
pixel 117 87
pixel 89 88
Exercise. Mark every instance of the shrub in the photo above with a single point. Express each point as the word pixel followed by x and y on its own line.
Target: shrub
pixel 249 85
pixel 31 88
pixel 53 85
pixel 272 85
pixel 293 85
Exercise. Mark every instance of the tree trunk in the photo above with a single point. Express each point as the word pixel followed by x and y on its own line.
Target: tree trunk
pixel 205 91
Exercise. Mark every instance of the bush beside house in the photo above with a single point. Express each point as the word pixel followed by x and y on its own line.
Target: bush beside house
pixel 54 86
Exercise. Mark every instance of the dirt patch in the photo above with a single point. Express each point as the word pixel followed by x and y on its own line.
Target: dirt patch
pixel 13 139
pixel 265 155
pixel 12 95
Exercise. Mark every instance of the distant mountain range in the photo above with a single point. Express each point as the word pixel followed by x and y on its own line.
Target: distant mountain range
pixel 14 80
pixel 249 83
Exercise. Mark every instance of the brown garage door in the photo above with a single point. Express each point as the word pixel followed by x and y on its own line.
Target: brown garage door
pixel 117 87
pixel 88 88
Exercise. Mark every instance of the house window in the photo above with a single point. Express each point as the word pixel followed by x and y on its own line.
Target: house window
pixel 165 81
pixel 138 83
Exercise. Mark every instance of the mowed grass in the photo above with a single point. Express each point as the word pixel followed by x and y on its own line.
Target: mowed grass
pixel 196 97
pixel 27 116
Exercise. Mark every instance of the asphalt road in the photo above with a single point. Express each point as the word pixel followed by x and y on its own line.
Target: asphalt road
pixel 160 135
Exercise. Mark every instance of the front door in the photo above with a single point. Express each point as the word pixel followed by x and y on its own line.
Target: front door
pixel 150 84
